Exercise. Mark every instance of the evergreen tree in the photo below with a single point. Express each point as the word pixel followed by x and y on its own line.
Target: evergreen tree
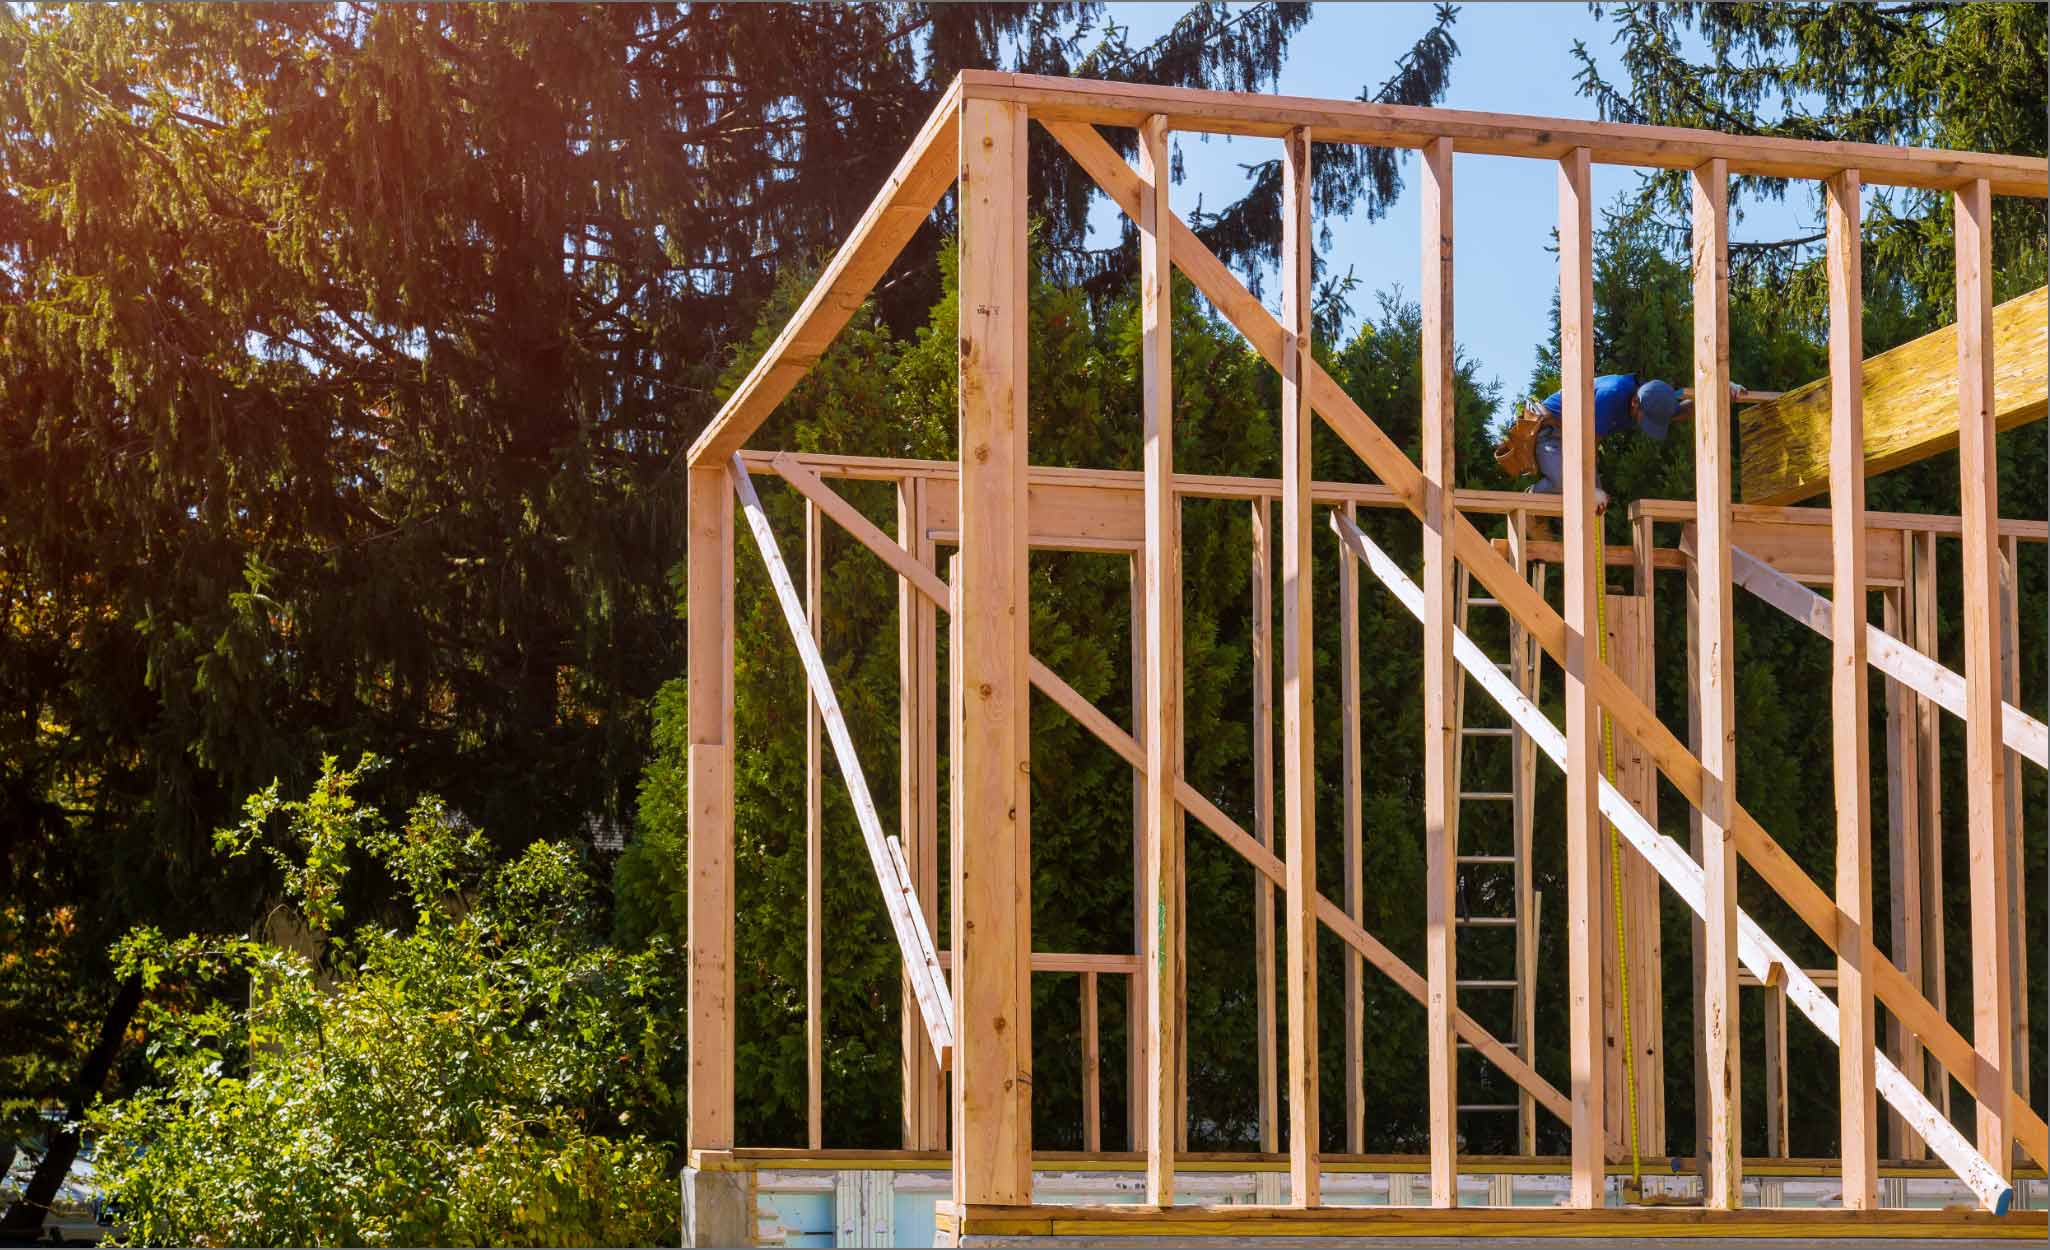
pixel 350 352
pixel 1964 76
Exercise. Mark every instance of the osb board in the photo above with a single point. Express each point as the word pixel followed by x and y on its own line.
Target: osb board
pixel 1910 407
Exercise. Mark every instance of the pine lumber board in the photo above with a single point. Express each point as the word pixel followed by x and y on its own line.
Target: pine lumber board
pixel 1583 705
pixel 1985 760
pixel 1440 674
pixel 1162 675
pixel 1298 674
pixel 1087 101
pixel 1262 641
pixel 1250 1225
pixel 1714 664
pixel 709 997
pixel 992 866
pixel 815 852
pixel 1850 689
pixel 1353 811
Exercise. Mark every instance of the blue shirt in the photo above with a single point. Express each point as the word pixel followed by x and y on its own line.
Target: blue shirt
pixel 1612 395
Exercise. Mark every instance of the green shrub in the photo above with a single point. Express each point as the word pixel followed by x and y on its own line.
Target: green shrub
pixel 487 1072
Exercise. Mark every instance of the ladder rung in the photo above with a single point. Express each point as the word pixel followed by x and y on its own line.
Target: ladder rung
pixel 1488 1106
pixel 1488 731
pixel 1502 664
pixel 1483 601
pixel 1490 922
pixel 1466 1045
pixel 1502 795
pixel 1486 859
pixel 1486 985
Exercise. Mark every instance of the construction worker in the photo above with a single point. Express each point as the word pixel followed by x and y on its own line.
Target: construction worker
pixel 1620 403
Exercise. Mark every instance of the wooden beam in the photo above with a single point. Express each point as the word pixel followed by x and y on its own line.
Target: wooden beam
pixel 1714 661
pixel 1850 687
pixel 1163 669
pixel 1944 687
pixel 899 209
pixel 1069 514
pixel 815 857
pixel 1092 1081
pixel 2018 909
pixel 1112 501
pixel 1776 1125
pixel 1543 551
pixel 1985 762
pixel 1207 813
pixel 1803 552
pixel 924 1094
pixel 1747 515
pixel 1073 100
pixel 1076 962
pixel 1298 659
pixel 1922 604
pixel 1698 929
pixel 1583 706
pixel 1633 656
pixel 1911 406
pixel 708 589
pixel 1521 1226
pixel 1263 819
pixel 1388 462
pixel 1137 1028
pixel 1440 842
pixel 1904 875
pixel 1353 810
pixel 1525 670
pixel 992 892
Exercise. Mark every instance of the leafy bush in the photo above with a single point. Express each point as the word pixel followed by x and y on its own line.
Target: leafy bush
pixel 489 1072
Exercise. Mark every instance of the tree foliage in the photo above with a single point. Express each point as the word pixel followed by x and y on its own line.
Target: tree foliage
pixel 350 350
pixel 484 1071
pixel 1964 76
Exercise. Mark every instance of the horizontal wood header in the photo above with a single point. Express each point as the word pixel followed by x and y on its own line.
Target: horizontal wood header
pixel 1501 134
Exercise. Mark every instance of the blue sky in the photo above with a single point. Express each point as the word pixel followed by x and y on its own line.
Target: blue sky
pixel 1513 58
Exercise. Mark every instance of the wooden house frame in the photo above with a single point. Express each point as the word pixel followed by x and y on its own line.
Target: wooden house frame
pixel 967 1030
